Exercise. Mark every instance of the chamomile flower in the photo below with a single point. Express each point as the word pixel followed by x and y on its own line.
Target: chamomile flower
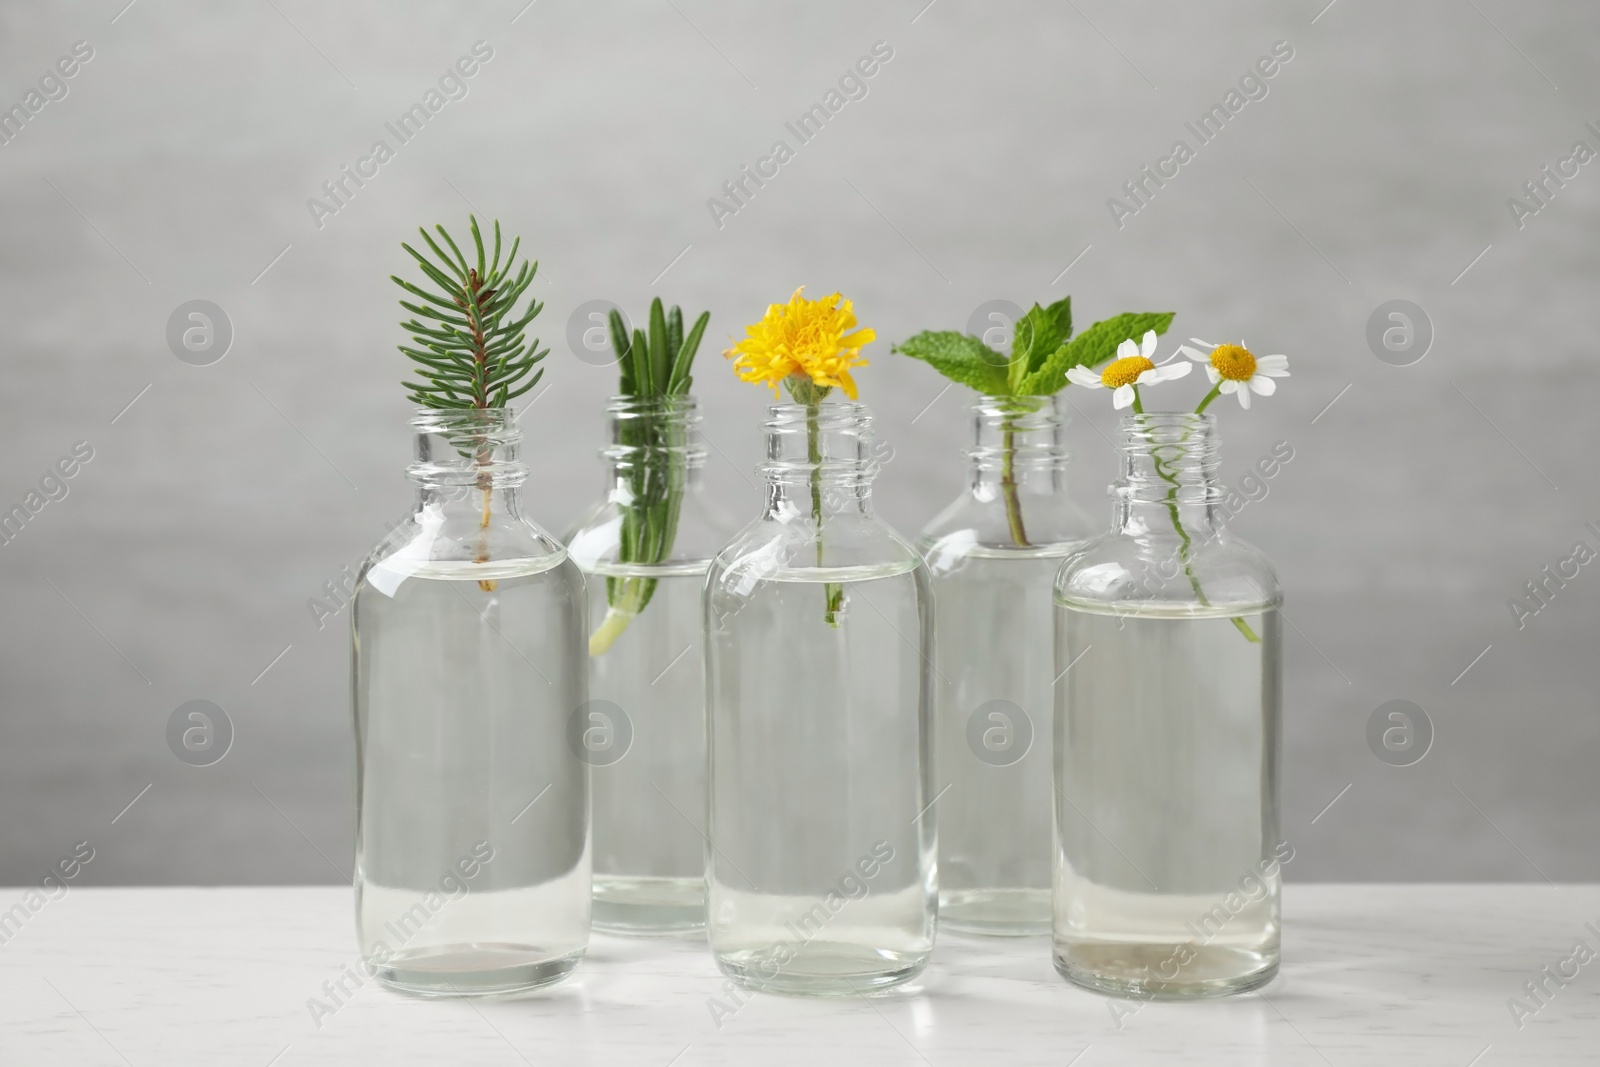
pixel 1233 368
pixel 1132 368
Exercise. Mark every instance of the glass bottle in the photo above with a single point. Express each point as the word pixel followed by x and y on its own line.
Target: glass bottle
pixel 993 556
pixel 821 870
pixel 645 549
pixel 472 821
pixel 1167 739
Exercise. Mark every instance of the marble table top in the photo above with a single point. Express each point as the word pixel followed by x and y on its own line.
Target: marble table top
pixel 1372 974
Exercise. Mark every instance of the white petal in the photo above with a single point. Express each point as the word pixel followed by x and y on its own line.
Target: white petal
pixel 1122 397
pixel 1229 386
pixel 1147 347
pixel 1171 372
pixel 1273 366
pixel 1211 372
pixel 1085 377
pixel 1127 349
pixel 1207 345
pixel 1195 354
pixel 1263 385
pixel 1244 396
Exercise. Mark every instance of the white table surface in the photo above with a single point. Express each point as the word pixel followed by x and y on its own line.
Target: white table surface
pixel 1402 975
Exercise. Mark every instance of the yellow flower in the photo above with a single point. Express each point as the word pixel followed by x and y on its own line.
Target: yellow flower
pixel 809 339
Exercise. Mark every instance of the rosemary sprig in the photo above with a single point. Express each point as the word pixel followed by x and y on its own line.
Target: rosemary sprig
pixel 469 346
pixel 654 366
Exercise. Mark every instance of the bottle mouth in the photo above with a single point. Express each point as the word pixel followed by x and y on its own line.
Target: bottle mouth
pixel 650 429
pixel 466 446
pixel 1024 432
pixel 495 426
pixel 841 416
pixel 677 406
pixel 1040 409
pixel 835 445
pixel 1168 427
pixel 1169 456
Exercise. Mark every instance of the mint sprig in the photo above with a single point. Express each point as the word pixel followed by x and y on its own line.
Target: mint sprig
pixel 1042 351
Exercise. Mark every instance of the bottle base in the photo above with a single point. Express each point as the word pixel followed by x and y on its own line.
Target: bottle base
pixel 995 912
pixel 821 969
pixel 475 970
pixel 649 907
pixel 1135 969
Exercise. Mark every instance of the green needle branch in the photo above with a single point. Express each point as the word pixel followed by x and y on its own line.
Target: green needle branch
pixel 469 346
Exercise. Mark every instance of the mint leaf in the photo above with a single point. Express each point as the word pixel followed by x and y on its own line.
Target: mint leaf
pixel 1091 348
pixel 1038 334
pixel 960 358
pixel 1061 313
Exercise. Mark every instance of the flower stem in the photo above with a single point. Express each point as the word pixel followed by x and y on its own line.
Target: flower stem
pixel 1185 547
pixel 1008 479
pixel 1216 391
pixel 833 592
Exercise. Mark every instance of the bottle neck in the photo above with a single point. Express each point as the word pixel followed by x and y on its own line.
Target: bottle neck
pixel 1017 441
pixel 462 458
pixel 821 460
pixel 1169 465
pixel 654 440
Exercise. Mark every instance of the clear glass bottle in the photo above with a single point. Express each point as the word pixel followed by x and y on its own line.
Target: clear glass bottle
pixel 1167 739
pixel 821 869
pixel 472 819
pixel 645 549
pixel 993 555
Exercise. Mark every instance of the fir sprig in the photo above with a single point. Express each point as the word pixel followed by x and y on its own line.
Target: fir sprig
pixel 469 342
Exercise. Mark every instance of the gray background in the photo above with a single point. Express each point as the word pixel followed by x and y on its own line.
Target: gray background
pixel 978 167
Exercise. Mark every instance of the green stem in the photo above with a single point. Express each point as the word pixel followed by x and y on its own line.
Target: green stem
pixel 1185 545
pixel 833 592
pixel 1008 479
pixel 649 522
pixel 1216 391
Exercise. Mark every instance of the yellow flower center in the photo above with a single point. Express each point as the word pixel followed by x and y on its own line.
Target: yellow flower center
pixel 1126 371
pixel 1234 362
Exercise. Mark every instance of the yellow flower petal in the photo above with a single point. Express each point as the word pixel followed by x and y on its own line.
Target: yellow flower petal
pixel 815 339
